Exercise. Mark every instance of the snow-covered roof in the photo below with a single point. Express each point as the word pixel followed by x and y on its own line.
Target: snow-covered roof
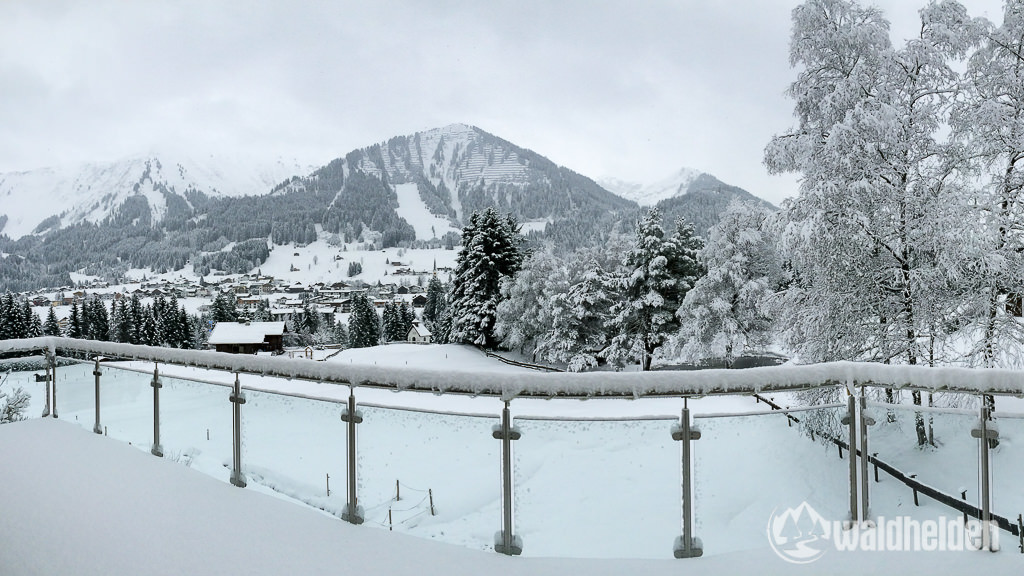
pixel 420 330
pixel 250 333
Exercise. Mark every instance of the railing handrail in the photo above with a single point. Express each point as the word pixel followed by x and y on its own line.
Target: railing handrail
pixel 586 385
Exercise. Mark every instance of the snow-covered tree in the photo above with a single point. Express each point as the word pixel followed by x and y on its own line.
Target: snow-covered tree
pixel 13 405
pixel 724 315
pixel 491 251
pixel 577 334
pixel 75 321
pixel 868 235
pixel 989 121
pixel 391 323
pixel 363 323
pixel 436 300
pixel 657 274
pixel 524 313
pixel 52 326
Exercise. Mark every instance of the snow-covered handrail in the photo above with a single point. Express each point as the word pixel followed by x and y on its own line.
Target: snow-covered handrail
pixel 558 385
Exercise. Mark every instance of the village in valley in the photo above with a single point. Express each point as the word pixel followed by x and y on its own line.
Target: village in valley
pixel 267 307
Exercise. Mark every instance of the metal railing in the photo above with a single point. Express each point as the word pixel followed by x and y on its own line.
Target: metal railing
pixel 507 388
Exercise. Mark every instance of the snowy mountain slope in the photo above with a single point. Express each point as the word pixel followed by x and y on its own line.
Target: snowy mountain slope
pixel 673 185
pixel 91 192
pixel 459 169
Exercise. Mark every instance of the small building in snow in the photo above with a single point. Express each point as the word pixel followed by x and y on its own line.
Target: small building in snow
pixel 248 337
pixel 419 333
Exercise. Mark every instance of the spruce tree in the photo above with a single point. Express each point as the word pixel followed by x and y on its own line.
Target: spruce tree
pixel 491 251
pixel 75 321
pixel 435 300
pixel 52 326
pixel 363 323
pixel 659 271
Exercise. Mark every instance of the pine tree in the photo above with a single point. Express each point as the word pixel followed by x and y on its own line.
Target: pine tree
pixel 262 313
pixel 491 251
pixel 363 323
pixel 659 271
pixel 134 314
pixel 6 316
pixel 436 302
pixel 52 326
pixel 390 322
pixel 340 335
pixel 406 316
pixel 310 323
pixel 34 326
pixel 75 321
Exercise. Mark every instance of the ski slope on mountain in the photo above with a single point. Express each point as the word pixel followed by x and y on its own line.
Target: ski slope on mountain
pixel 415 212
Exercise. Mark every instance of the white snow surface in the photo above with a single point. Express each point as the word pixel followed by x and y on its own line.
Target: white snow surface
pixel 74 502
pixel 415 212
pixel 649 194
pixel 248 333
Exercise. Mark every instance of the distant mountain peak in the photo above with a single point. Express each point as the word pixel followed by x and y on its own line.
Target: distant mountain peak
pixel 649 194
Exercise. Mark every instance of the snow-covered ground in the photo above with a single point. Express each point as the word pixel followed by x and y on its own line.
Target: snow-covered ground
pixel 593 488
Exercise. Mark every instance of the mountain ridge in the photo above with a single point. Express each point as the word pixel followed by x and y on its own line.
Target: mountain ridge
pixel 163 214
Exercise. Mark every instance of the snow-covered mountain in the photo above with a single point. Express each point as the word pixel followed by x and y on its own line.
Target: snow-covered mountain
pixel 459 169
pixel 64 196
pixel 676 184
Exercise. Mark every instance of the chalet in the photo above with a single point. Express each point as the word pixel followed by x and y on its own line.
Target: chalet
pixel 248 337
pixel 40 301
pixel 419 301
pixel 403 289
pixel 418 334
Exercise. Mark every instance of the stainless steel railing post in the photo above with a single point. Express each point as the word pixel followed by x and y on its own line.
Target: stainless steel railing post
pixel 237 399
pixel 352 512
pixel 687 546
pixel 96 372
pixel 157 449
pixel 505 541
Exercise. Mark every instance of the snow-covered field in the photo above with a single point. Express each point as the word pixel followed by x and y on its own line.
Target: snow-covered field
pixel 584 488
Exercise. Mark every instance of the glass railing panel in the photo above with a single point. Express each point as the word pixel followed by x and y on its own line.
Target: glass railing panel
pixel 747 469
pixel 126 405
pixel 294 447
pixel 195 425
pixel 597 489
pixel 75 387
pixel 933 445
pixel 1007 464
pixel 26 373
pixel 437 474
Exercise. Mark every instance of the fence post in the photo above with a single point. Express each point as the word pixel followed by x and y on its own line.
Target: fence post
pixel 984 435
pixel 505 541
pixel 52 359
pixel 352 512
pixel 237 399
pixel 687 546
pixel 157 449
pixel 96 372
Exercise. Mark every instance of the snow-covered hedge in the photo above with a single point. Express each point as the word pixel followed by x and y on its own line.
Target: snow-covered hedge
pixel 583 385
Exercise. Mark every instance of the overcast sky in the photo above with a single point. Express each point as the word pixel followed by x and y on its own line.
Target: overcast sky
pixel 633 90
